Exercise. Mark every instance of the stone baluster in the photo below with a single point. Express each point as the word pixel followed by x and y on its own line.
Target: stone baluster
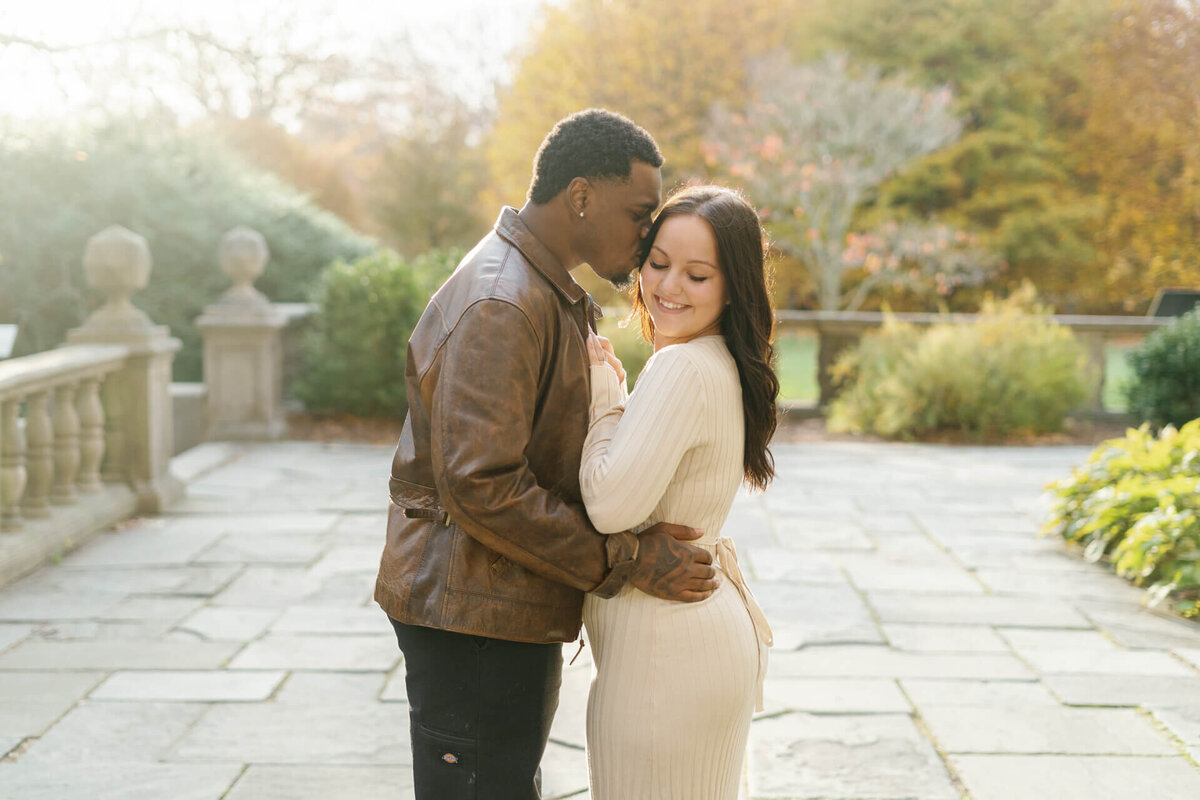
pixel 12 464
pixel 39 431
pixel 137 398
pixel 91 435
pixel 66 445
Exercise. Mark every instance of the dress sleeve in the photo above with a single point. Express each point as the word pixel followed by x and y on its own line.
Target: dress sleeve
pixel 634 448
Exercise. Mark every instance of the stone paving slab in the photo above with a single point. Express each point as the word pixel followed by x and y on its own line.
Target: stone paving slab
pixel 1133 626
pixel 829 696
pixel 882 662
pixel 299 782
pixel 944 638
pixel 1096 583
pixel 1129 662
pixel 930 692
pixel 1121 690
pixel 770 563
pixel 1190 655
pixel 1077 777
pixel 377 653
pixel 30 702
pixel 98 732
pixel 319 733
pixel 269 548
pixel 214 686
pixel 111 655
pixel 1039 729
pixel 970 609
pixel 10 634
pixel 815 614
pixel 24 780
pixel 877 757
pixel 321 619
pixel 1183 720
pixel 227 624
pixel 315 688
pixel 190 580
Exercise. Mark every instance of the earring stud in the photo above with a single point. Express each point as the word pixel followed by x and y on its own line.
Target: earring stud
pixel 581 213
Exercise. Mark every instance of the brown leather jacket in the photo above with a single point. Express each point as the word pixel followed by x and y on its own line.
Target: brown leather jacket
pixel 486 531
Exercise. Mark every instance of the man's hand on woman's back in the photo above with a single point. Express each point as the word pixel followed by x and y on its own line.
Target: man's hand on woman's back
pixel 669 568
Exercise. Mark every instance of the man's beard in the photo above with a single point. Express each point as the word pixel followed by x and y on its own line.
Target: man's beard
pixel 623 282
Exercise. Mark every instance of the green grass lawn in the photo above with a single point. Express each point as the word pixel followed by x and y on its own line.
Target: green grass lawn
pixel 1116 376
pixel 797 367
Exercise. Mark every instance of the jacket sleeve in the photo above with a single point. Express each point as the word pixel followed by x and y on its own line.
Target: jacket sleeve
pixel 633 450
pixel 481 418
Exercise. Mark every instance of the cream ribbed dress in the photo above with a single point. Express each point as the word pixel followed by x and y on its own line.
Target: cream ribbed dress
pixel 675 683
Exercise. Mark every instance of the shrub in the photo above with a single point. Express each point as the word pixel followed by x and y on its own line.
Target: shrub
pixel 1136 503
pixel 1165 385
pixel 1010 371
pixel 178 191
pixel 356 349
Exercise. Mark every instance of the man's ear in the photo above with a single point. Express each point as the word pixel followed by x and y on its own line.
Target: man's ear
pixel 579 195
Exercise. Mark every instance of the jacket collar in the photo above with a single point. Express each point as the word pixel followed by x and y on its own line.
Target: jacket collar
pixel 513 229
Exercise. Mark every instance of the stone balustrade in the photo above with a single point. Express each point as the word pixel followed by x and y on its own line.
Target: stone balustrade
pixel 837 330
pixel 52 428
pixel 85 429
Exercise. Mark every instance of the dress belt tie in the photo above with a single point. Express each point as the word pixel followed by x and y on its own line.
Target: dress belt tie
pixel 728 561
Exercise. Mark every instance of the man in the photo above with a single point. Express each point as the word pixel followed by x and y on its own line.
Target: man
pixel 489 551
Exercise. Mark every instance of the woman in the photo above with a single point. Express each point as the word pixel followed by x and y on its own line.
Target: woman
pixel 677 683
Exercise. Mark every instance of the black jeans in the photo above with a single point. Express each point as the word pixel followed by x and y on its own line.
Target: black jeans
pixel 479 711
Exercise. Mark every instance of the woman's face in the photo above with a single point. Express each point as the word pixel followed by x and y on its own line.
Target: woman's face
pixel 681 282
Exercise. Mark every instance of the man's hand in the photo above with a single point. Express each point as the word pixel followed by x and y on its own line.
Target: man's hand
pixel 669 569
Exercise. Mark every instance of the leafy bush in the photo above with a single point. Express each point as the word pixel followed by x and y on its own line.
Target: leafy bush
pixel 1137 503
pixel 1165 388
pixel 1010 371
pixel 356 349
pixel 181 193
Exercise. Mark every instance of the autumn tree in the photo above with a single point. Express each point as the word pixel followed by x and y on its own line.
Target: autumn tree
pixel 811 143
pixel 1141 146
pixel 1017 69
pixel 662 63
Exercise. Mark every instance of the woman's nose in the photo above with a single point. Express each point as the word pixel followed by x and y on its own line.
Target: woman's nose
pixel 670 281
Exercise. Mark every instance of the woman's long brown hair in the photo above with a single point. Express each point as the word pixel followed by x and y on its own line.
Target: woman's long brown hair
pixel 747 323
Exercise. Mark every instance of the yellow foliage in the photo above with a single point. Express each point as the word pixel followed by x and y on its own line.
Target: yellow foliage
pixel 1141 146
pixel 662 64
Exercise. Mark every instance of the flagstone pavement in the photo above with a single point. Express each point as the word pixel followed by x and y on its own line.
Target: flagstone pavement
pixel 929 645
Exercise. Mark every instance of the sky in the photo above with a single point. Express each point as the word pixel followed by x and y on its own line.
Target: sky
pixel 34 84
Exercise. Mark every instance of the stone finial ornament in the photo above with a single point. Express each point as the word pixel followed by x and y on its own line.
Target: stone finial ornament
pixel 243 255
pixel 117 262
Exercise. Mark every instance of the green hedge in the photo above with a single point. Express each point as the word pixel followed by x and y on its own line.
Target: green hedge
pixel 1011 371
pixel 356 348
pixel 1165 385
pixel 1136 504
pixel 181 193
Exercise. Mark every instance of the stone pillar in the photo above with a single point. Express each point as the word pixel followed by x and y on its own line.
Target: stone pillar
pixel 243 347
pixel 831 343
pixel 138 424
pixel 1093 343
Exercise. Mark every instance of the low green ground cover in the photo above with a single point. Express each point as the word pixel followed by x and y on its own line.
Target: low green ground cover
pixel 1136 505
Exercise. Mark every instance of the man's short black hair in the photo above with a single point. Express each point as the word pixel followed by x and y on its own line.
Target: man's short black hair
pixel 595 143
